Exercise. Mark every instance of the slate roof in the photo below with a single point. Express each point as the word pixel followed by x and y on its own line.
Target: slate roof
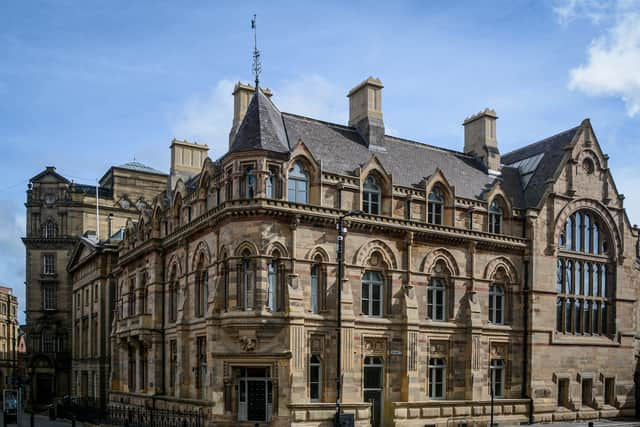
pixel 140 167
pixel 262 127
pixel 553 151
pixel 342 150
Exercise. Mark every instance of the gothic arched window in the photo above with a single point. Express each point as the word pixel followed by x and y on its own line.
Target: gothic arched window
pixel 371 196
pixel 496 304
pixel 495 217
pixel 202 288
pixel 173 295
pixel 583 296
pixel 435 206
pixel 298 184
pixel 372 294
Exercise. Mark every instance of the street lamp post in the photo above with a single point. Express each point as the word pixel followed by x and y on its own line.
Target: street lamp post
pixel 342 230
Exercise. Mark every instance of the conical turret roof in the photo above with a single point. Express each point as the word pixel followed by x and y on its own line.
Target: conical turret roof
pixel 262 127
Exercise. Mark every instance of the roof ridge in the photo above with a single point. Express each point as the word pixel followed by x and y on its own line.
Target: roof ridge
pixel 524 147
pixel 400 139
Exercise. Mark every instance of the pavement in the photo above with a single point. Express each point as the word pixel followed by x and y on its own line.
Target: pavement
pixel 40 420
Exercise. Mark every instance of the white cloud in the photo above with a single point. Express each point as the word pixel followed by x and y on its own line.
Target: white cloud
pixel 313 96
pixel 12 254
pixel 207 119
pixel 568 11
pixel 613 64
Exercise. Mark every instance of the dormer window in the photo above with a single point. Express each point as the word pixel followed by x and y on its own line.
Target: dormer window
pixel 371 196
pixel 298 184
pixel 495 217
pixel 436 205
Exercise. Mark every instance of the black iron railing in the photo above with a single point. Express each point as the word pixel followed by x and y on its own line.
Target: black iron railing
pixel 127 415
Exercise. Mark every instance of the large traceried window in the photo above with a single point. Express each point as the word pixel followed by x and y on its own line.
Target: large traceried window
pixel 436 299
pixel 298 184
pixel 495 217
pixel 496 304
pixel 372 294
pixel 584 272
pixel 435 206
pixel 371 196
pixel 436 378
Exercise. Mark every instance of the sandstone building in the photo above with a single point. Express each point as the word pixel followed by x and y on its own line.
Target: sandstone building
pixel 59 212
pixel 8 335
pixel 466 271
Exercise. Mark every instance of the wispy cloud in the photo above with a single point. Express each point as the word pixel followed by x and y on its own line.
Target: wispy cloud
pixel 612 67
pixel 596 11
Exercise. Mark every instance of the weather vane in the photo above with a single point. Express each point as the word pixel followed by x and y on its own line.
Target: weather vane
pixel 256 53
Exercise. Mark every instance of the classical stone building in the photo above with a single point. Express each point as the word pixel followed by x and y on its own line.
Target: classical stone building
pixel 91 271
pixel 467 273
pixel 59 212
pixel 8 335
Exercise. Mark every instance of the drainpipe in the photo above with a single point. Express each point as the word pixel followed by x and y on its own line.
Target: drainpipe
pixel 525 342
pixel 164 351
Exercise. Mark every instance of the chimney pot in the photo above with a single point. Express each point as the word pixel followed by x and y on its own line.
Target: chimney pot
pixel 365 110
pixel 480 138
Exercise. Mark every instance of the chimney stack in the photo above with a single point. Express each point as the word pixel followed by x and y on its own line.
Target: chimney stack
pixel 242 94
pixel 187 159
pixel 365 110
pixel 480 139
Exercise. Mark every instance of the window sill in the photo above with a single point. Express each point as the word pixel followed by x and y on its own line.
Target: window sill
pixel 570 339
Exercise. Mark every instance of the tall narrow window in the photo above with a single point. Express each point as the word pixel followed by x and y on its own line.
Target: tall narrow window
pixel 298 184
pixel 173 362
pixel 132 369
pixel 248 183
pixel 201 357
pixel 315 288
pixel 371 196
pixel 49 297
pixel 132 297
pixel 436 299
pixel 245 282
pixel 436 379
pixel 49 230
pixel 272 291
pixel 173 296
pixel 496 304
pixel 202 288
pixel 48 264
pixel 495 217
pixel 497 377
pixel 435 206
pixel 315 378
pixel 372 292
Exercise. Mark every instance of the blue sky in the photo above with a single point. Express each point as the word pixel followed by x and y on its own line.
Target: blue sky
pixel 85 85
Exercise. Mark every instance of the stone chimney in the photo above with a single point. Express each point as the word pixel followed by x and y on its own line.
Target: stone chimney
pixel 187 159
pixel 365 110
pixel 480 138
pixel 242 94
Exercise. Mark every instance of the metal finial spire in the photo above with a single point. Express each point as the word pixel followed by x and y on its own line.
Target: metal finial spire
pixel 257 67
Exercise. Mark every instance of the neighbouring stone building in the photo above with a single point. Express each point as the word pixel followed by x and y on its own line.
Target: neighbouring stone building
pixel 8 335
pixel 59 212
pixel 466 272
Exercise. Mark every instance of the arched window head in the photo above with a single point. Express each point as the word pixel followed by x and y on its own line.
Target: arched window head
pixel 588 166
pixel 435 205
pixel 495 217
pixel 496 304
pixel 298 184
pixel 371 196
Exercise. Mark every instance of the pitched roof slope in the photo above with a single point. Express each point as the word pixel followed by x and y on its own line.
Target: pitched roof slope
pixel 140 167
pixel 261 127
pixel 552 150
pixel 342 151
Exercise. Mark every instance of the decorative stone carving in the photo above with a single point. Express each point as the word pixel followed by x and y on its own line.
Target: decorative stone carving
pixel 248 344
pixel 374 345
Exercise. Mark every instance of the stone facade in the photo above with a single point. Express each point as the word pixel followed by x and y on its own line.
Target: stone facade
pixel 9 341
pixel 59 212
pixel 465 273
